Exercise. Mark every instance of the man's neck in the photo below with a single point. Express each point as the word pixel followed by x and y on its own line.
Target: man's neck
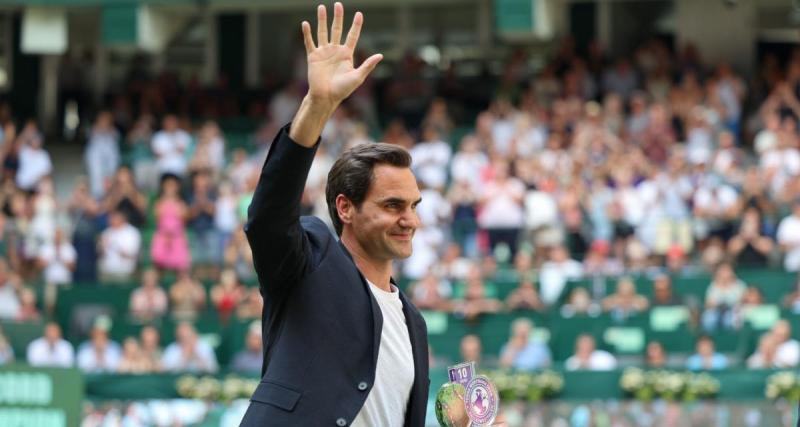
pixel 377 272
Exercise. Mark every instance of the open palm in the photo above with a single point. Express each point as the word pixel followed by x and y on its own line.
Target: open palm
pixel 331 74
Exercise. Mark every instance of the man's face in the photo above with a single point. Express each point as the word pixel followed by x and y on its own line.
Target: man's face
pixel 387 219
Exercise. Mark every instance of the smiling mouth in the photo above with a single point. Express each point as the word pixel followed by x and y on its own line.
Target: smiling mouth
pixel 402 236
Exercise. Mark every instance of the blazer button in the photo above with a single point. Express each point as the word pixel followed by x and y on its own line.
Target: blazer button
pixel 362 386
pixel 341 422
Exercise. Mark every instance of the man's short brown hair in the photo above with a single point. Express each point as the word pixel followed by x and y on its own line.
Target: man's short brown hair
pixel 352 174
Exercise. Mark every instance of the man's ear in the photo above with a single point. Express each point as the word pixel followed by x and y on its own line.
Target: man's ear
pixel 345 209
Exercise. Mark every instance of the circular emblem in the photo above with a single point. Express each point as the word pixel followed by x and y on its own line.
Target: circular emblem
pixel 481 401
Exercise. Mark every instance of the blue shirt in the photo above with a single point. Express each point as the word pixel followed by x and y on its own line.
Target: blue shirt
pixel 534 356
pixel 695 362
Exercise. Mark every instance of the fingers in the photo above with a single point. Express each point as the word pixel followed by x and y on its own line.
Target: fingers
pixel 322 26
pixel 338 23
pixel 307 40
pixel 355 31
pixel 368 65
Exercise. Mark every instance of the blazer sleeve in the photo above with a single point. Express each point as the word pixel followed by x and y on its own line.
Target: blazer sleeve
pixel 281 250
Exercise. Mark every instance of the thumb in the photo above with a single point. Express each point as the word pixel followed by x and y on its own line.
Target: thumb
pixel 368 65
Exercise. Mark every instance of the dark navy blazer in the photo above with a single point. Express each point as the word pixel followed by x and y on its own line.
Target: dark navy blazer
pixel 321 323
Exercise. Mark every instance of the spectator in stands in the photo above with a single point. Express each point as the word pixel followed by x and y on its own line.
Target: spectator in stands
pixel 119 249
pixel 9 296
pixel 524 297
pixel 123 195
pixel 227 294
pixel 521 352
pixel 580 303
pixel 750 246
pixel 187 296
pixel 598 261
pixel 475 300
pixel 655 356
pixel 99 354
pixel 764 356
pixel 250 359
pixel 430 158
pixel 662 292
pixel 625 302
pixel 723 298
pixel 170 246
pixel 102 154
pixel 57 258
pixel 431 293
pixel 28 311
pixel 51 350
pixel 34 161
pixel 501 211
pixel 170 145
pixel 6 352
pixel 150 340
pixel 148 301
pixel 201 209
pixel 209 156
pixel 792 301
pixel 252 306
pixel 555 273
pixel 83 211
pixel 133 361
pixel 239 257
pixel 225 220
pixel 188 353
pixel 789 238
pixel 706 358
pixel 471 349
pixel 587 357
pixel 787 354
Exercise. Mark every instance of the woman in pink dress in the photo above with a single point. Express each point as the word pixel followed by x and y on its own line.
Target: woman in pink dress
pixel 170 246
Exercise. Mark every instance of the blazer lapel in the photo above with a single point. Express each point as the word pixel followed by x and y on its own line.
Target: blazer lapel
pixel 377 316
pixel 419 349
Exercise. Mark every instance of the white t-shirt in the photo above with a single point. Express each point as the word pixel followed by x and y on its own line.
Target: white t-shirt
pixel 41 353
pixel 789 235
pixel 121 250
pixel 170 148
pixel 57 270
pixel 429 162
pixel 787 355
pixel 394 374
pixel 598 361
pixel 34 164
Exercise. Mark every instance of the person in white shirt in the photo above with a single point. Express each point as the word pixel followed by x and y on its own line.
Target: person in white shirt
pixel 102 153
pixel 394 374
pixel 555 273
pixel 502 214
pixel 119 249
pixel 188 353
pixel 51 350
pixel 429 159
pixel 789 238
pixel 34 161
pixel 587 357
pixel 170 145
pixel 787 355
pixel 468 159
pixel 57 258
pixel 100 354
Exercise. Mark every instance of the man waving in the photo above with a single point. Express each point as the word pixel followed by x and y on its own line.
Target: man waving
pixel 342 345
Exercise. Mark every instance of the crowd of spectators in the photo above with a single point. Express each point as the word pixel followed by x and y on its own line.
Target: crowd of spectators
pixel 653 165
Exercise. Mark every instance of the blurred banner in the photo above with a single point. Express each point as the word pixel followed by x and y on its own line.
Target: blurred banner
pixel 32 397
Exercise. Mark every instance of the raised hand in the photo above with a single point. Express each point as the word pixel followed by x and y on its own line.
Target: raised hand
pixel 331 73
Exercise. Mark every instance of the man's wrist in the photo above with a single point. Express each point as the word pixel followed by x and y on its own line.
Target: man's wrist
pixel 310 120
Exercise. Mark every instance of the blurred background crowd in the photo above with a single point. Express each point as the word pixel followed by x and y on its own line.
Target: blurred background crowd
pixel 643 169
